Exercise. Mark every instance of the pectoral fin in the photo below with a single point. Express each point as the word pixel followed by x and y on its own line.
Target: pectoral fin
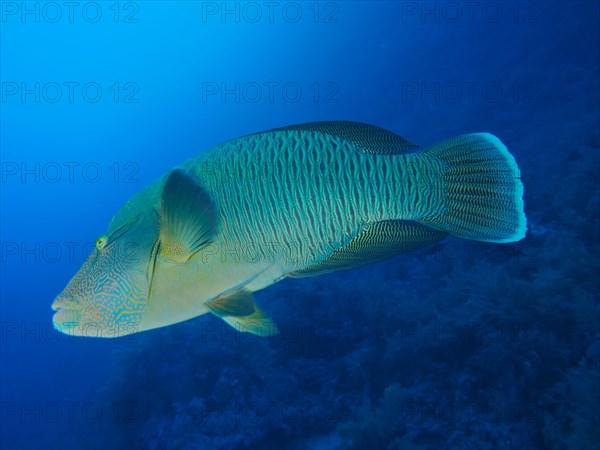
pixel 188 217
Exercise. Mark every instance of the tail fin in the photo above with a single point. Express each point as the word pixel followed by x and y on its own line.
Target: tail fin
pixel 483 190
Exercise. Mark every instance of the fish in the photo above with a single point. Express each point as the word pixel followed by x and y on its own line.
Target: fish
pixel 291 202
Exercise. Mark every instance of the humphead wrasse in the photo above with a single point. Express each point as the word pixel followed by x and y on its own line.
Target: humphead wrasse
pixel 297 201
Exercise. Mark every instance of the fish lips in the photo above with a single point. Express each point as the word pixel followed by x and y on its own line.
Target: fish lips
pixel 70 318
pixel 67 317
pixel 65 302
pixel 66 320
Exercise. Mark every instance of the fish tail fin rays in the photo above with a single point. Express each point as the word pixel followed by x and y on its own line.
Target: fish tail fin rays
pixel 483 190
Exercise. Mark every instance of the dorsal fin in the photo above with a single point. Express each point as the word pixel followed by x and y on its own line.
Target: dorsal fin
pixel 366 138
pixel 376 242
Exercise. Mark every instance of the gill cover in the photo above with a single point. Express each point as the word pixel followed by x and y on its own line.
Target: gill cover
pixel 188 223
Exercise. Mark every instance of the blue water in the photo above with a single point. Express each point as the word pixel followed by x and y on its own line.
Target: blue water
pixel 463 345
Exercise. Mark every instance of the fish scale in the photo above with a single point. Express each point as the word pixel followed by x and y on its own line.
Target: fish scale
pixel 334 201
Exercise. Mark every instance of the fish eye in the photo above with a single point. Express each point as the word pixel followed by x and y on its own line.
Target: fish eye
pixel 101 242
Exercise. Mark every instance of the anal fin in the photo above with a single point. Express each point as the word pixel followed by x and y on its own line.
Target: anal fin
pixel 376 242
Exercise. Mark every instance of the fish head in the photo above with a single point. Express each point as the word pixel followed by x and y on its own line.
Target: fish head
pixel 109 294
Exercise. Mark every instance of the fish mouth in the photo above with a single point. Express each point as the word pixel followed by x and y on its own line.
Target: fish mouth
pixel 66 319
pixel 62 303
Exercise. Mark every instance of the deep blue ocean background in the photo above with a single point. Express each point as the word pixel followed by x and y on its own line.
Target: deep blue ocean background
pixel 463 345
